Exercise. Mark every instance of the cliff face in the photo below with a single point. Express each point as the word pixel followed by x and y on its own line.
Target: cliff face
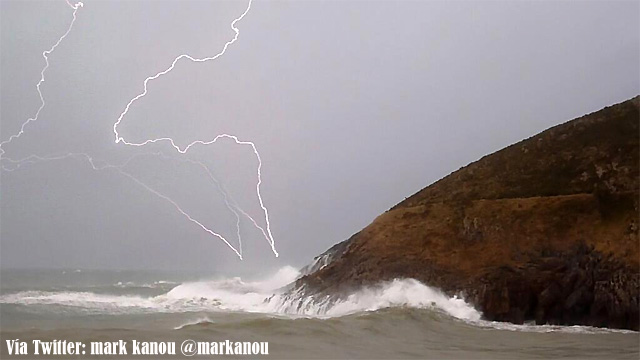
pixel 545 229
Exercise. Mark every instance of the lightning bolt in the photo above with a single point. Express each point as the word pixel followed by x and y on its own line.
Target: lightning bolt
pixel 45 55
pixel 229 202
pixel 228 199
pixel 120 169
pixel 120 139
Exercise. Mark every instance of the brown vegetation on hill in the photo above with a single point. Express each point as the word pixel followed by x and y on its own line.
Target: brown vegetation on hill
pixel 545 229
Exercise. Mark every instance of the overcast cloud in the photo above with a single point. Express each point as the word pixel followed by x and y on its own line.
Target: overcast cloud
pixel 353 106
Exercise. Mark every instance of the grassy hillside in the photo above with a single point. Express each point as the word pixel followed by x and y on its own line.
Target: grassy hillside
pixel 545 229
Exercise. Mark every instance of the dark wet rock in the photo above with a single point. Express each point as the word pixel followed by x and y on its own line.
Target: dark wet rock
pixel 324 259
pixel 543 230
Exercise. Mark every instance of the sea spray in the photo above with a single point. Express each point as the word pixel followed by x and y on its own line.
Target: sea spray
pixel 266 296
pixel 396 293
pixel 275 296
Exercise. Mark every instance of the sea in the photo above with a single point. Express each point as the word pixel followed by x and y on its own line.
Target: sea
pixel 400 319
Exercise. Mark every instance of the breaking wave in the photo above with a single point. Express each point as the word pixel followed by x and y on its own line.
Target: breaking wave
pixel 153 285
pixel 267 296
pixel 270 296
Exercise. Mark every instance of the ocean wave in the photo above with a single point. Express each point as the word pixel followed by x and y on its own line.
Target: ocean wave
pixel 85 300
pixel 231 294
pixel 203 321
pixel 270 297
pixel 571 329
pixel 396 293
pixel 154 285
pixel 234 294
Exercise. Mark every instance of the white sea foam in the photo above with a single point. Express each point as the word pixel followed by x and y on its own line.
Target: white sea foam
pixel 198 321
pixel 265 296
pixel 574 329
pixel 155 284
pixel 83 300
pixel 396 293
pixel 268 297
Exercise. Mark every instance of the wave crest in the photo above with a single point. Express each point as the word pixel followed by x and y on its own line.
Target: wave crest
pixel 266 296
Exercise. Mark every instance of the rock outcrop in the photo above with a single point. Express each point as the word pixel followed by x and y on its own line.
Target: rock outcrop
pixel 545 229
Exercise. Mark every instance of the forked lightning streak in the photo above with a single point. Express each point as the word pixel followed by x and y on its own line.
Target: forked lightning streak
pixel 230 203
pixel 45 55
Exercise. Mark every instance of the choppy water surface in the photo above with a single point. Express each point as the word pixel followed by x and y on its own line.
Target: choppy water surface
pixel 399 319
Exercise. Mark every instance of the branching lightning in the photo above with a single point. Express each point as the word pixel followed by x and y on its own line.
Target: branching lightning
pixel 119 138
pixel 229 202
pixel 228 199
pixel 45 55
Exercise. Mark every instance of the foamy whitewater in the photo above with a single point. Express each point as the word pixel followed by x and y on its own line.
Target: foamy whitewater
pixel 32 304
pixel 267 296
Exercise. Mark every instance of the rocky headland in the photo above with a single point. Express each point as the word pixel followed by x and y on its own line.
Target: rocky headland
pixel 545 230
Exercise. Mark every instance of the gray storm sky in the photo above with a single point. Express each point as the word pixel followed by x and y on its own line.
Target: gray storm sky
pixel 353 106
